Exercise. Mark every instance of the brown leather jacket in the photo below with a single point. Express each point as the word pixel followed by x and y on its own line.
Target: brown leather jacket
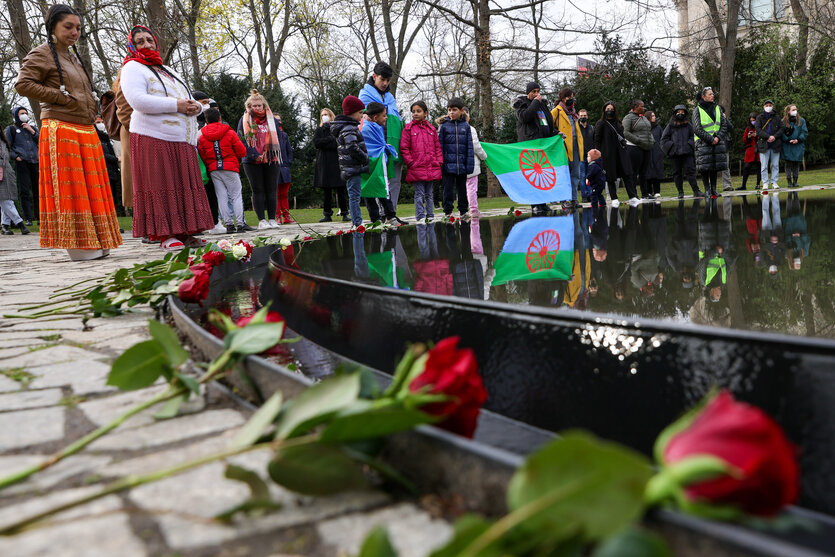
pixel 38 79
pixel 123 109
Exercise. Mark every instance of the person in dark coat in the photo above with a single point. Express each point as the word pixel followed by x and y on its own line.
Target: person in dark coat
pixel 22 137
pixel 655 168
pixel 458 156
pixel 596 178
pixel 326 173
pixel 711 131
pixel 678 144
pixel 533 121
pixel 608 139
pixel 114 174
pixel 587 131
pixel 769 128
pixel 352 153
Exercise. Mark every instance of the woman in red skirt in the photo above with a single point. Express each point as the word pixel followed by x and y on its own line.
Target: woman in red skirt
pixel 76 205
pixel 169 201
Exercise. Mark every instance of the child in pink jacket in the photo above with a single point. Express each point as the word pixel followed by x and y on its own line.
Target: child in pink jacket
pixel 421 153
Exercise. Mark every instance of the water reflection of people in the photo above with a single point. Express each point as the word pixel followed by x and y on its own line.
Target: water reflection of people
pixel 797 239
pixel 431 272
pixel 599 235
pixel 753 224
pixel 467 274
pixel 684 246
pixel 714 243
pixel 772 234
pixel 360 259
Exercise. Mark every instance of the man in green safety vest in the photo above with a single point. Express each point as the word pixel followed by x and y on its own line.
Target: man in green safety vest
pixel 711 140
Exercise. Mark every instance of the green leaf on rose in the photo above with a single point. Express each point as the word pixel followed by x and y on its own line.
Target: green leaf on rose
pixel 259 422
pixel 259 500
pixel 139 366
pixel 633 542
pixel 377 544
pixel 221 320
pixel 254 339
pixel 189 383
pixel 167 338
pixel 374 422
pixel 316 469
pixel 170 408
pixel 580 482
pixel 466 530
pixel 317 403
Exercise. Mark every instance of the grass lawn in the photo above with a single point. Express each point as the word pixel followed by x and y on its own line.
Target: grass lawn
pixel 825 175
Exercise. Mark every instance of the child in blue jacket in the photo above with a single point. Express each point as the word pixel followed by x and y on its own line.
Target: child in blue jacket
pixel 457 150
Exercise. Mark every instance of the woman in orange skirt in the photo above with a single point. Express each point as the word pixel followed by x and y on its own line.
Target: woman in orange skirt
pixel 76 204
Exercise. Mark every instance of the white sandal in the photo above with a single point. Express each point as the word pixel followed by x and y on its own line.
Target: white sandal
pixel 172 244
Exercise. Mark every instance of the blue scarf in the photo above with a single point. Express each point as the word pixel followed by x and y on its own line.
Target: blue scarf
pixel 375 140
pixel 369 93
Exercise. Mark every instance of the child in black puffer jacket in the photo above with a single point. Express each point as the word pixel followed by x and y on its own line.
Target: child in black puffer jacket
pixel 353 156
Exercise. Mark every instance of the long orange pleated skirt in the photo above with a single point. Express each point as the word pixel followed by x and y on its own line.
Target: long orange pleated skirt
pixel 76 205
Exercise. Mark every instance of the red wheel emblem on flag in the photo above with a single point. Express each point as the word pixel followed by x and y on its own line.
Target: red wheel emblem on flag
pixel 542 251
pixel 537 169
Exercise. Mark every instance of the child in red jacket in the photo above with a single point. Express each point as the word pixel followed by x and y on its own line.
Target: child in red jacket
pixel 221 150
pixel 421 153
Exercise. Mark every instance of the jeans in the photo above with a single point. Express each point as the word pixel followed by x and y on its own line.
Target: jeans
pixel 574 172
pixel 455 185
pixel 585 189
pixel 472 192
pixel 9 211
pixel 774 158
pixel 228 190
pixel 354 185
pixel 263 179
pixel 424 192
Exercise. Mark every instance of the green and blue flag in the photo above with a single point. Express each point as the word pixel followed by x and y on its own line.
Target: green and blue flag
pixel 537 248
pixel 531 172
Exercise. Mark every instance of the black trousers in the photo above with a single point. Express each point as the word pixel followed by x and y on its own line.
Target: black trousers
pixel 792 172
pixel 263 180
pixel 341 200
pixel 640 162
pixel 371 203
pixel 709 180
pixel 212 196
pixel 684 167
pixel 752 167
pixel 27 188
pixel 455 184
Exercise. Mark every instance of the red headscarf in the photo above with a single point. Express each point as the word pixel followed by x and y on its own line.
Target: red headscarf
pixel 146 56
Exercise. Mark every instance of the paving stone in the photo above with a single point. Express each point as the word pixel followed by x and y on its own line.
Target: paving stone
pixel 171 457
pixel 30 427
pixel 84 377
pixel 412 531
pixel 204 492
pixel 13 351
pixel 21 342
pixel 6 335
pixel 21 510
pixel 169 431
pixel 7 384
pixel 53 355
pixel 30 399
pixel 104 410
pixel 104 536
pixel 72 466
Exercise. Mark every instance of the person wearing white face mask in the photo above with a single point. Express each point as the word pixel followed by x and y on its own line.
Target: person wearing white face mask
pixel 23 137
pixel 794 143
pixel 111 159
pixel 326 174
pixel 769 128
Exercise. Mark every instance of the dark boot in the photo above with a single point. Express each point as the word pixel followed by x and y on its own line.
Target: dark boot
pixel 7 231
pixel 680 193
pixel 23 229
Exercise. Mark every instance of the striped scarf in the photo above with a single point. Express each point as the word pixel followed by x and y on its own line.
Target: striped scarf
pixel 272 149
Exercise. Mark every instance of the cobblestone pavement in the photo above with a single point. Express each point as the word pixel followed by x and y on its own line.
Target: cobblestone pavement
pixel 53 391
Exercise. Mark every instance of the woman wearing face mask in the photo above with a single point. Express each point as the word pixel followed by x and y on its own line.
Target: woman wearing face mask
pixel 655 168
pixel 112 162
pixel 711 139
pixel 752 158
pixel 677 143
pixel 769 128
pixel 567 122
pixel 794 143
pixel 608 139
pixel 76 206
pixel 326 174
pixel 170 203
pixel 639 141
pixel 23 137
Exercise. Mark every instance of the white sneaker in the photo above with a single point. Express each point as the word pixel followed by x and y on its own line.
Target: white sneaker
pixel 775 187
pixel 614 203
pixel 634 201
pixel 657 195
pixel 273 224
pixel 262 224
pixel 218 229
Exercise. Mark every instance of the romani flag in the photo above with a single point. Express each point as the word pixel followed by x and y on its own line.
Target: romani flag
pixel 394 124
pixel 531 171
pixel 537 248
pixel 375 182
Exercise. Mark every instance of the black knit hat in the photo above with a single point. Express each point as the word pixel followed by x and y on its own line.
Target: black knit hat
pixel 531 86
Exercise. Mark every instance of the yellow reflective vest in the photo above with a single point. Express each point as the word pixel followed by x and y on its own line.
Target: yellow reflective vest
pixel 708 125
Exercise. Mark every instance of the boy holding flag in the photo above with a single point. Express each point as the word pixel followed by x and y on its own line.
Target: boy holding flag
pixel 376 182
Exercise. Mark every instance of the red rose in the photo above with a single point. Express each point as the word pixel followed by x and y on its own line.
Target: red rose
pixel 451 218
pixel 196 288
pixel 272 317
pixel 340 232
pixel 517 212
pixel 453 372
pixel 214 258
pixel 766 476
pixel 360 229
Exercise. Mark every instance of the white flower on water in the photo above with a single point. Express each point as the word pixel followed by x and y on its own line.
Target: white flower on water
pixel 239 251
pixel 284 242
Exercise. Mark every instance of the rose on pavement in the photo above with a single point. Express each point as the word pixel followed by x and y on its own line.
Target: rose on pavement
pixel 196 288
pixel 453 372
pixel 239 252
pixel 214 258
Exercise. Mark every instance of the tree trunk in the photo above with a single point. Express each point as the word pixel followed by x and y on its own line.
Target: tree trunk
pixel 158 21
pixel 22 41
pixel 802 35
pixel 484 81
